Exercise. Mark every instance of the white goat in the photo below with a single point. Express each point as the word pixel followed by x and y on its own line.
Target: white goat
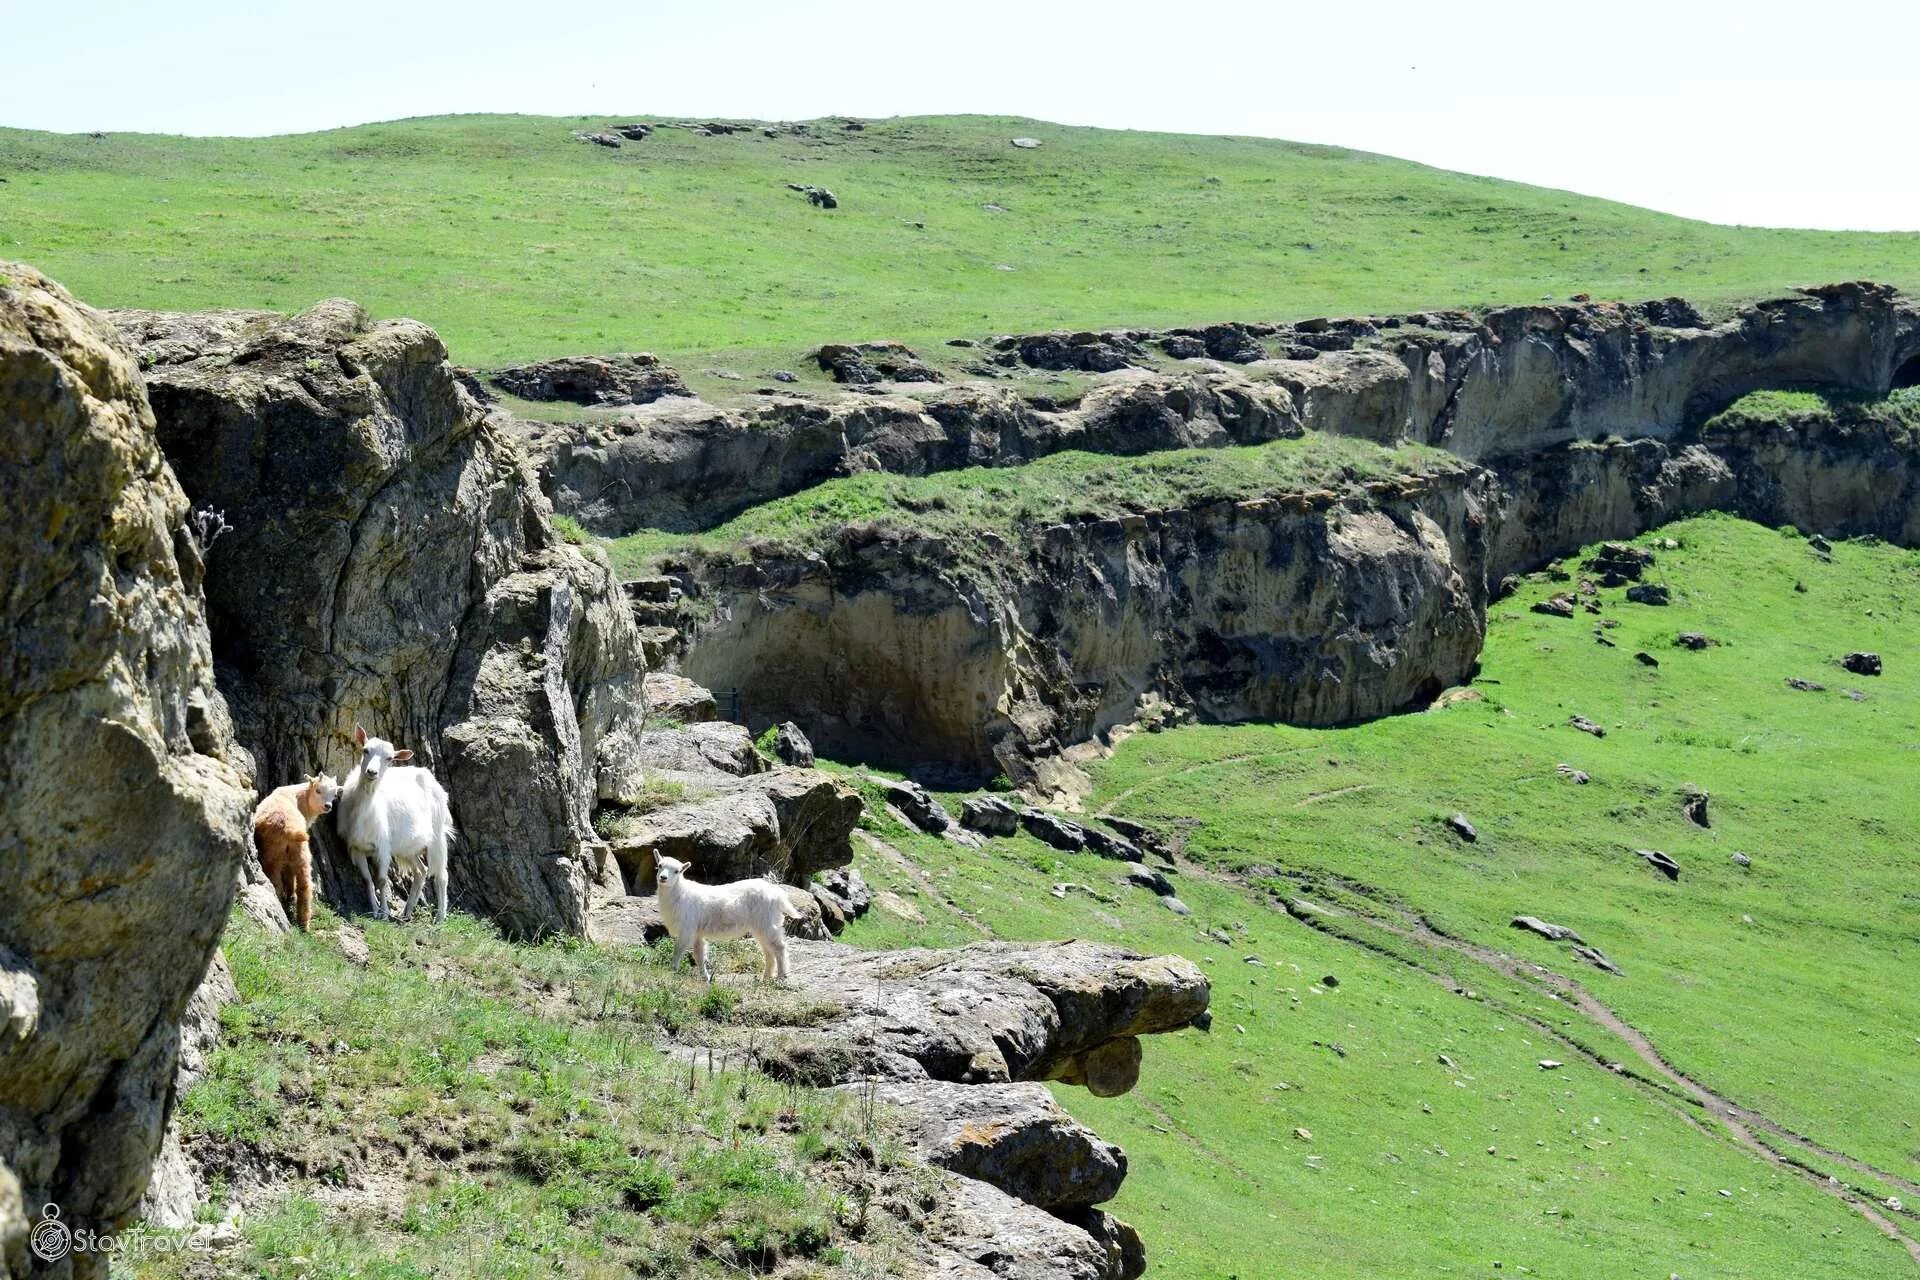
pixel 396 814
pixel 694 913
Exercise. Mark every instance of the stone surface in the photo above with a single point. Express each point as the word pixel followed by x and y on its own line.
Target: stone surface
pixel 716 745
pixel 783 823
pixel 1458 824
pixel 392 564
pixel 1014 1137
pixel 791 746
pixel 676 699
pixel 864 363
pixel 990 816
pixel 637 378
pixel 123 801
pixel 920 808
pixel 1551 932
pixel 1862 664
pixel 1661 862
pixel 1069 837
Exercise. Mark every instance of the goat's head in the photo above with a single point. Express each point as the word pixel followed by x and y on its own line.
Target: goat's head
pixel 322 790
pixel 377 753
pixel 667 871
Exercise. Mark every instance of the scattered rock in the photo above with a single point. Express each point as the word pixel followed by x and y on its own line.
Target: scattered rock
pixel 1069 837
pixel 1693 803
pixel 600 139
pixel 1598 959
pixel 1139 873
pixel 1086 351
pixel 1555 606
pixel 790 746
pixel 843 894
pixel 1742 860
pixel 895 905
pixel 1551 932
pixel 1585 725
pixel 865 363
pixel 1173 904
pixel 1014 1137
pixel 1139 833
pixel 1184 346
pixel 1576 776
pixel 1862 664
pixel 633 132
pixel 1693 640
pixel 1620 562
pixel 1649 593
pixel 1330 982
pixel 1821 547
pixel 1661 862
pixel 1108 845
pixel 1805 686
pixel 633 378
pixel 1646 659
pixel 1551 1064
pixel 1026 144
pixel 1458 824
pixel 675 698
pixel 989 815
pixel 917 805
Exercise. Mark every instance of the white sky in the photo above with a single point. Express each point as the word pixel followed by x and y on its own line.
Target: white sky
pixel 1761 112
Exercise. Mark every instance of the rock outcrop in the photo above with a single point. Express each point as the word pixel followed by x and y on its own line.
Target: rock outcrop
pixel 123 801
pixel 632 378
pixel 392 563
pixel 953 1042
pixel 1311 609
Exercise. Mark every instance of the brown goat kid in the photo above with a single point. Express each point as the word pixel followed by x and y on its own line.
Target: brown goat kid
pixel 280 835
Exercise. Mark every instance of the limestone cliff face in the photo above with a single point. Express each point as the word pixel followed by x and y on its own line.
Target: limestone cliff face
pixel 392 563
pixel 122 801
pixel 1313 609
pixel 1513 382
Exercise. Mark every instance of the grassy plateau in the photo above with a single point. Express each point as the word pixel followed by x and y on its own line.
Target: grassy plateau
pixel 518 241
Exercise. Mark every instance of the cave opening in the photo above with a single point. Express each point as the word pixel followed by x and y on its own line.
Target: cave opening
pixel 1908 374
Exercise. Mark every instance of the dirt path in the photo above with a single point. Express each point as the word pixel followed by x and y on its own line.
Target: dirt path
pixel 914 872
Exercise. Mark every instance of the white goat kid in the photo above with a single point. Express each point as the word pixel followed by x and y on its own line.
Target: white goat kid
pixel 697 913
pixel 395 814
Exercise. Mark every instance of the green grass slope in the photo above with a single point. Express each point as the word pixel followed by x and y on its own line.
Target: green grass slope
pixel 517 241
pixel 1780 986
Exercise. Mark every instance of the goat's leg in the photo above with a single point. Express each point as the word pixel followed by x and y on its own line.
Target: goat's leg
pixel 780 956
pixel 382 873
pixel 373 895
pixel 440 887
pixel 303 891
pixel 679 954
pixel 700 958
pixel 419 887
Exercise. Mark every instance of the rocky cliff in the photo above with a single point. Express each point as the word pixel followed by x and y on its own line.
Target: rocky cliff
pixel 1314 604
pixel 391 563
pixel 1511 382
pixel 122 801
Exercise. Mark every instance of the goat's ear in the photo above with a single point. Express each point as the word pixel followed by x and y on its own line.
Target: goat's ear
pixel 359 736
pixel 401 757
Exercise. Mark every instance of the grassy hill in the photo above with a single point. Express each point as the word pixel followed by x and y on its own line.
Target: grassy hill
pixel 517 241
pixel 1437 1144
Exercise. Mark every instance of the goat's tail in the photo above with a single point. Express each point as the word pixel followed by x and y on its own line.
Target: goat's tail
pixel 787 907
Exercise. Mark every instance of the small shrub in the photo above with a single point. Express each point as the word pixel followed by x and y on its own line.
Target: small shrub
pixel 572 530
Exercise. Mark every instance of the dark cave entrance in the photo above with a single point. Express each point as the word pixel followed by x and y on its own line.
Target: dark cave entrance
pixel 1908 374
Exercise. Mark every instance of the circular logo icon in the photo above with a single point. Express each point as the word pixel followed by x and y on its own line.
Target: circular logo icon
pixel 51 1238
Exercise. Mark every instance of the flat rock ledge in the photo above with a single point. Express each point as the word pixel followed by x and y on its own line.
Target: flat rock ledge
pixel 954 1043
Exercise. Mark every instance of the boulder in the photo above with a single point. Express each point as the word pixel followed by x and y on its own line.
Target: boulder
pixel 1693 803
pixel 1805 686
pixel 985 1234
pixel 1184 346
pixel 990 816
pixel 1585 725
pixel 1086 351
pixel 1620 562
pixel 785 823
pixel 1458 824
pixel 1598 959
pixel 844 895
pixel 1862 664
pixel 391 563
pixel 917 805
pixel 677 699
pixel 633 378
pixel 1013 1137
pixel 1661 862
pixel 1692 640
pixel 791 747
pixel 1645 659
pixel 714 746
pixel 1555 607
pixel 1649 593
pixel 1139 833
pixel 1069 837
pixel 1145 877
pixel 123 798
pixel 1108 845
pixel 1551 932
pixel 864 363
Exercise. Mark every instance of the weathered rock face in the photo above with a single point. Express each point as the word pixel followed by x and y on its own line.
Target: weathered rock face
pixel 1307 610
pixel 123 802
pixel 951 1041
pixel 391 563
pixel 683 464
pixel 635 378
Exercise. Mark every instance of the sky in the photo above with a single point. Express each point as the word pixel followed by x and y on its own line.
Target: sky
pixel 1763 113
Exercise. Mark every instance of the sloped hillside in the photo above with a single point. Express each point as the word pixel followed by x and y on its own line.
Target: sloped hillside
pixel 517 240
pixel 1398 1119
